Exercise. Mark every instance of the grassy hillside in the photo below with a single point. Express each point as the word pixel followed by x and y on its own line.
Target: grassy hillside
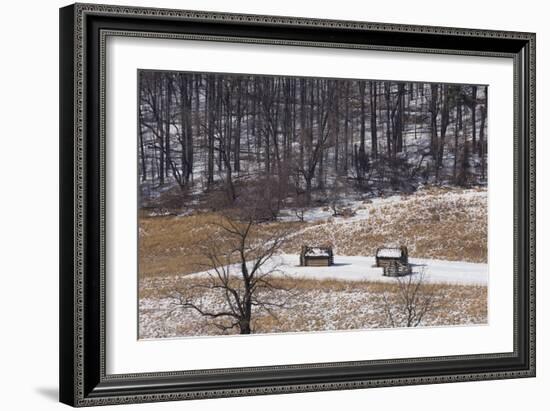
pixel 438 223
pixel 447 224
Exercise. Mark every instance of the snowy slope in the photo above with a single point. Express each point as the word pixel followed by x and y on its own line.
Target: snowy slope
pixel 363 209
pixel 432 224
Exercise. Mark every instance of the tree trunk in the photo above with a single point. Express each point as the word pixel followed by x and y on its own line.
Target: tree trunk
pixel 473 108
pixel 308 179
pixel 189 131
pixel 360 155
pixel 398 145
pixel 373 129
pixel 167 107
pixel 142 148
pixel 237 145
pixel 184 109
pixel 336 124
pixel 433 123
pixel 209 107
pixel 482 145
pixel 444 125
pixel 458 130
pixel 363 117
pixel 387 92
pixel 346 129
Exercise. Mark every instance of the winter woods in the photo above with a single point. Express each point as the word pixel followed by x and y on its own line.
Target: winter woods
pixel 221 132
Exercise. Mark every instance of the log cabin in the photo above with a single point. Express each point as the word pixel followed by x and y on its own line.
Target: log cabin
pixel 388 255
pixel 316 256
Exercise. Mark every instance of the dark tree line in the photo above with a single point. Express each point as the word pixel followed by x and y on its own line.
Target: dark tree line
pixel 206 131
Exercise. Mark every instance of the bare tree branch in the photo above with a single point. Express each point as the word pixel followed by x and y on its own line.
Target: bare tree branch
pixel 240 266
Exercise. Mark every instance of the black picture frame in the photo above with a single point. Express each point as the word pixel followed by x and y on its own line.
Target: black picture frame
pixel 83 381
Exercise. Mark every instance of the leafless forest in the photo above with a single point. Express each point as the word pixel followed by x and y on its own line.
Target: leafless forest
pixel 298 137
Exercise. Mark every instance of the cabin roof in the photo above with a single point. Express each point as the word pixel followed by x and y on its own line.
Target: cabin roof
pixel 389 252
pixel 317 252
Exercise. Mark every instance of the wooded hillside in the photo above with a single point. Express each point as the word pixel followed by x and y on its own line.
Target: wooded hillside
pixel 286 140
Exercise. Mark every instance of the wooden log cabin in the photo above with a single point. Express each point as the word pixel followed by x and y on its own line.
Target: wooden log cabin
pixel 397 269
pixel 392 255
pixel 316 256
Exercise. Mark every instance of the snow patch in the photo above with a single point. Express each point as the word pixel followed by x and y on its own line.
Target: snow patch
pixel 389 253
pixel 317 251
pixel 359 268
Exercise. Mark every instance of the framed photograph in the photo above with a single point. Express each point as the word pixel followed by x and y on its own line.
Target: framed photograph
pixel 261 204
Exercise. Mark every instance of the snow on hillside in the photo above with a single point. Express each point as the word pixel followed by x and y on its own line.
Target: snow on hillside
pixel 441 225
pixel 363 208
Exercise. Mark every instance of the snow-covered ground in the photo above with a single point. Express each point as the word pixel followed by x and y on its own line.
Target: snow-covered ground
pixel 364 208
pixel 443 225
pixel 358 305
pixel 363 268
pixel 358 268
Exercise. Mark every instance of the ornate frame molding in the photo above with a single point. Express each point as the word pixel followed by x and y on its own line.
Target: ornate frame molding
pixel 83 378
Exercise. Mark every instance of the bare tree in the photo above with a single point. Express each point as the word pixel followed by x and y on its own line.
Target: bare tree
pixel 411 302
pixel 300 207
pixel 482 142
pixel 240 267
pixel 337 192
pixel 315 143
pixel 373 126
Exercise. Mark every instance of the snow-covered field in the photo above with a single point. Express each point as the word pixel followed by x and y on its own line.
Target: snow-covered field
pixel 358 268
pixel 353 268
pixel 348 295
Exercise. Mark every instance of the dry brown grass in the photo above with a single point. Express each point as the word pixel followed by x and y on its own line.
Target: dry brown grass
pixel 433 223
pixel 169 245
pixel 313 305
pixel 430 223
